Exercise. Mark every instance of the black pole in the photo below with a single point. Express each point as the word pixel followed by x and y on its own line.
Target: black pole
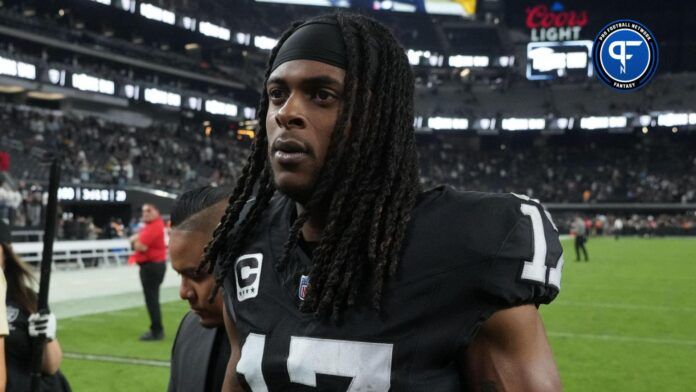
pixel 46 259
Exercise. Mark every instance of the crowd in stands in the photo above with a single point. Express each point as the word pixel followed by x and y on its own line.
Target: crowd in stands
pixel 96 151
pixel 178 157
pixel 574 173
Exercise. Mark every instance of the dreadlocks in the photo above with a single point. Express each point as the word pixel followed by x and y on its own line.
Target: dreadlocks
pixel 369 182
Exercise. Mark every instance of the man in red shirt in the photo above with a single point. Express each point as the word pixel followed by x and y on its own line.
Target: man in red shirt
pixel 151 255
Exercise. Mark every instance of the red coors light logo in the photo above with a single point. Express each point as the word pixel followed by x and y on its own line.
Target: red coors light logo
pixel 555 24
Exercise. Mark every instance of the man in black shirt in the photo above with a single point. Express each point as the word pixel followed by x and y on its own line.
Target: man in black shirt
pixel 391 288
pixel 201 349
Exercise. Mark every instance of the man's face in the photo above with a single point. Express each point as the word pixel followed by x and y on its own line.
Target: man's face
pixel 149 213
pixel 186 250
pixel 304 102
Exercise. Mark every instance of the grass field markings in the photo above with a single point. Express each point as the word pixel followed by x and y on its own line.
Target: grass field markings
pixel 112 359
pixel 95 317
pixel 618 338
pixel 82 321
pixel 626 306
pixel 592 287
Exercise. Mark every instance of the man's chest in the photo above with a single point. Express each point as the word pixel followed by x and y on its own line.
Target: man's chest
pixel 411 342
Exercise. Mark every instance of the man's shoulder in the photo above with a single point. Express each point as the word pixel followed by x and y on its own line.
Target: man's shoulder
pixel 191 337
pixel 510 237
pixel 478 220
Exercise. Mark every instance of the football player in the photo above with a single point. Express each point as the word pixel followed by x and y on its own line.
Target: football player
pixel 340 272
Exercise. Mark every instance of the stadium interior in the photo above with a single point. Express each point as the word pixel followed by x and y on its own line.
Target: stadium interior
pixel 147 99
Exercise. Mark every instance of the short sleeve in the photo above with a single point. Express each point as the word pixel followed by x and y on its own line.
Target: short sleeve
pixel 4 328
pixel 151 234
pixel 527 266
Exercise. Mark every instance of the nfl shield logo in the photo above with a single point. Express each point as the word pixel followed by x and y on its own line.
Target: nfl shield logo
pixel 302 291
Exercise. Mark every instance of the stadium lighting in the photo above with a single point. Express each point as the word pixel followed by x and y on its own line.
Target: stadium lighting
pixel 550 60
pixel 132 92
pixel 506 61
pixel 413 56
pixel 672 119
pixel 644 120
pixel 84 82
pixel 249 113
pixel 266 43
pixel 105 2
pixel 155 13
pixel 545 59
pixel 448 123
pixel 486 124
pixel 26 71
pixel 213 30
pixel 601 122
pixel 4 89
pixel 160 97
pixel 44 96
pixel 17 68
pixel 194 103
pixel 127 5
pixel 243 38
pixel 459 61
pixel 563 123
pixel 522 124
pixel 692 118
pixel 222 108
pixel 188 23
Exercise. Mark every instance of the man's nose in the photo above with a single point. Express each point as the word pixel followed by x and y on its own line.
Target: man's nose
pixel 291 114
pixel 185 290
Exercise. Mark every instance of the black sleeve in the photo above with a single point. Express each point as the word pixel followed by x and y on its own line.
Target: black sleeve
pixel 526 268
pixel 173 368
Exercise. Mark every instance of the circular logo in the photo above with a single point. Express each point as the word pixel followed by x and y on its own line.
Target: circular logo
pixel 625 55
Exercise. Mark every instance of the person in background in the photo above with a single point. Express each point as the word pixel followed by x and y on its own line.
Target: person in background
pixel 618 227
pixel 151 256
pixel 201 349
pixel 24 324
pixel 579 228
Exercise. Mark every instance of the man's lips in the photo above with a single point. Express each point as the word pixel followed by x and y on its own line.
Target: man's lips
pixel 289 145
pixel 288 151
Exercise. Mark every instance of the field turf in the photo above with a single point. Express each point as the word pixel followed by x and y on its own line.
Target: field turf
pixel 625 321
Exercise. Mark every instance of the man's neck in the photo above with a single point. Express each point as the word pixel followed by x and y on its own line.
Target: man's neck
pixel 312 229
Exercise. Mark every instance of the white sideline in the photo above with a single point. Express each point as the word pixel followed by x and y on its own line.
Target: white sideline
pixel 112 359
pixel 624 306
pixel 631 339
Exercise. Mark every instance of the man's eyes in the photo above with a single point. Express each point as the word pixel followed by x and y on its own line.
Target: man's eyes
pixel 319 95
pixel 324 95
pixel 276 93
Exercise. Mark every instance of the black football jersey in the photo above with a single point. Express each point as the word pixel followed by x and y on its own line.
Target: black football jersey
pixel 466 255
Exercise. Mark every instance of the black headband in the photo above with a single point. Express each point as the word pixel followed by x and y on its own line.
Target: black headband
pixel 319 40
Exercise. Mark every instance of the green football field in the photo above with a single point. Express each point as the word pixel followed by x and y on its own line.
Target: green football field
pixel 625 321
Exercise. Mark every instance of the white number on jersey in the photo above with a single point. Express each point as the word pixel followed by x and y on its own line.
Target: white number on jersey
pixel 368 364
pixel 536 268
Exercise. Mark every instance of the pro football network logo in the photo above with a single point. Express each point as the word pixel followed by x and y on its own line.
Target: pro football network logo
pixel 625 55
pixel 248 273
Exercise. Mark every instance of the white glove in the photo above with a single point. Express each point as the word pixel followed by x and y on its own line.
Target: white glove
pixel 43 324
